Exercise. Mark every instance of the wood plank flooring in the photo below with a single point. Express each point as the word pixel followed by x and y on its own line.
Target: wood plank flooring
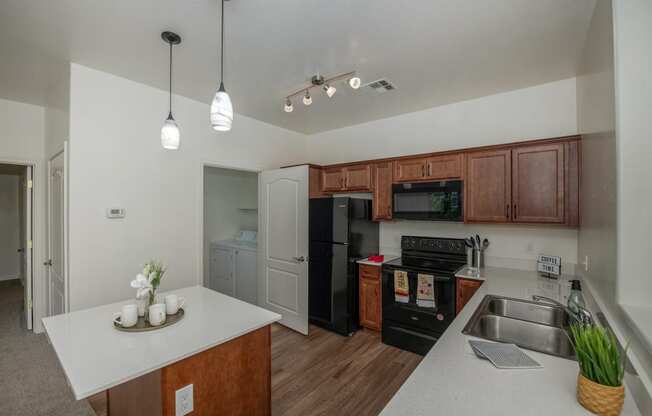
pixel 328 374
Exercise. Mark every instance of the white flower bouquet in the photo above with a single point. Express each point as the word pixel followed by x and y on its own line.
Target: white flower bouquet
pixel 148 281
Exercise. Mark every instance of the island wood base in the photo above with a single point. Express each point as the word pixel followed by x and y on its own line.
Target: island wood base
pixel 233 378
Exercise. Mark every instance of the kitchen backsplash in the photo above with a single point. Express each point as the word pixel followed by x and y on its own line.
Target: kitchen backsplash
pixel 511 246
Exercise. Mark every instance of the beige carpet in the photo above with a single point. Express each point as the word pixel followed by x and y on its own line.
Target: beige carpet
pixel 31 381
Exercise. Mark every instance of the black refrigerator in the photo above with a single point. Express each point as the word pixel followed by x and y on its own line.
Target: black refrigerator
pixel 341 232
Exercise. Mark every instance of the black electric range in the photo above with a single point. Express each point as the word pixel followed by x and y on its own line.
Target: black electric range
pixel 407 325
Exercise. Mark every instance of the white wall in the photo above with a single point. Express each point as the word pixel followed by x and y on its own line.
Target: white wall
pixel 542 111
pixel 633 66
pixel 21 141
pixel 9 227
pixel 116 160
pixel 226 192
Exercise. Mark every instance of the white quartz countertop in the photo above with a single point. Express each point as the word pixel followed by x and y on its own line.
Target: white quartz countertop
pixel 377 263
pixel 96 357
pixel 451 380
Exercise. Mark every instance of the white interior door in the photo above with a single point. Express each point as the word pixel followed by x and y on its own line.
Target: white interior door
pixel 246 281
pixel 26 241
pixel 57 290
pixel 283 245
pixel 221 270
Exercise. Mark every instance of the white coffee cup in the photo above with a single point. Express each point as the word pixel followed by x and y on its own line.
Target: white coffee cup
pixel 173 303
pixel 128 316
pixel 157 314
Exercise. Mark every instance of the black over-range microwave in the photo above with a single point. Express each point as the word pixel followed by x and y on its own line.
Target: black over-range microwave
pixel 428 201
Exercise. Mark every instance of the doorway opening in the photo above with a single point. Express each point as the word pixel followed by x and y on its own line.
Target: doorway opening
pixel 16 276
pixel 230 229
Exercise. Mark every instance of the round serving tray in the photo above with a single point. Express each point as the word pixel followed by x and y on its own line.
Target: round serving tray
pixel 143 326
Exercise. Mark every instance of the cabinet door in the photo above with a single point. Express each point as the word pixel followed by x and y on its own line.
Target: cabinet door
pixel 332 180
pixel 221 270
pixel 538 183
pixel 246 281
pixel 370 314
pixel 488 186
pixel 466 288
pixel 444 167
pixel 382 198
pixel 357 178
pixel 315 183
pixel 408 170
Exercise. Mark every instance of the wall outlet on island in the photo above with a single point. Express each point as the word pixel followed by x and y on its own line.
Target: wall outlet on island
pixel 183 400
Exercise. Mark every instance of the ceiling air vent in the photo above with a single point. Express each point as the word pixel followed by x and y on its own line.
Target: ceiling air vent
pixel 381 85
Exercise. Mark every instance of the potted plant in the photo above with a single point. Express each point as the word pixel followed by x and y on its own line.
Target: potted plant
pixel 148 281
pixel 600 386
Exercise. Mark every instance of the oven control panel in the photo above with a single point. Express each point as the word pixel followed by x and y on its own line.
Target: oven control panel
pixel 431 244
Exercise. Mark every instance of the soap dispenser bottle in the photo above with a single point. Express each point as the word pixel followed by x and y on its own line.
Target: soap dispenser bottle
pixel 575 299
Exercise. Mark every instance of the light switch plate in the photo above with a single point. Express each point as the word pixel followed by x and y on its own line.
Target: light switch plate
pixel 183 400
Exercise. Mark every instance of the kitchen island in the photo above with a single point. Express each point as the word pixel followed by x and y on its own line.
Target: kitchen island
pixel 221 347
pixel 451 380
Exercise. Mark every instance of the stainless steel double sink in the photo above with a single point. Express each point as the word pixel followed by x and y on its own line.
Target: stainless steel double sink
pixel 531 325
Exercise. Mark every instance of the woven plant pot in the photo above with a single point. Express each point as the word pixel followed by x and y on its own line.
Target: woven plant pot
pixel 599 399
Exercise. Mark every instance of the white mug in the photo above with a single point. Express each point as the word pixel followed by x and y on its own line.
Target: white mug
pixel 157 314
pixel 142 305
pixel 128 316
pixel 173 303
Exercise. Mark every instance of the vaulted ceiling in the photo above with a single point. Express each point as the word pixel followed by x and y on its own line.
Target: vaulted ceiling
pixel 434 51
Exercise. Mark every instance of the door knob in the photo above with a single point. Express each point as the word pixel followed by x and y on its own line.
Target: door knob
pixel 48 263
pixel 300 259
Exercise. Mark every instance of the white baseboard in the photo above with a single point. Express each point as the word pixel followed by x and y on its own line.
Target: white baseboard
pixel 9 278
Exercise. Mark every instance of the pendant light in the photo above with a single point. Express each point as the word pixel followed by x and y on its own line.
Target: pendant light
pixel 170 135
pixel 221 107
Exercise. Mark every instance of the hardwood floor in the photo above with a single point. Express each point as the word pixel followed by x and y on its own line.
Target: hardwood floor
pixel 328 374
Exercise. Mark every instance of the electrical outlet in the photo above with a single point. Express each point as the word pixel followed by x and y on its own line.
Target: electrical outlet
pixel 183 400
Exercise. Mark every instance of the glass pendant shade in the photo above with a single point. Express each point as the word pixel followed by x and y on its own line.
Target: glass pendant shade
pixel 221 111
pixel 170 135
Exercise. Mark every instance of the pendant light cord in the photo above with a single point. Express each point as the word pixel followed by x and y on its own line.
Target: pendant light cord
pixel 222 46
pixel 170 115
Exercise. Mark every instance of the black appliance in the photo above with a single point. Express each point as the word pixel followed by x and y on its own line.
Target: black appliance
pixel 341 232
pixel 407 325
pixel 430 201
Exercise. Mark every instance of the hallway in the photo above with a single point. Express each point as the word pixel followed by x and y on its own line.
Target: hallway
pixel 32 383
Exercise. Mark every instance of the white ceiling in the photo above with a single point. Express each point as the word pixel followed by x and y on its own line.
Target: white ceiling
pixel 434 51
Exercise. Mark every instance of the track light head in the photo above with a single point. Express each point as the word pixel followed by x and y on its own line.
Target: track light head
pixel 307 99
pixel 354 83
pixel 330 90
pixel 288 106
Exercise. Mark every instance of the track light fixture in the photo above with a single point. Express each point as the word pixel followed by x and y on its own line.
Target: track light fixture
pixel 307 99
pixel 330 90
pixel 288 106
pixel 326 84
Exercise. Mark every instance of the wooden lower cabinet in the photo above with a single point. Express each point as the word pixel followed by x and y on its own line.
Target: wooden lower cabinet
pixel 465 290
pixel 370 297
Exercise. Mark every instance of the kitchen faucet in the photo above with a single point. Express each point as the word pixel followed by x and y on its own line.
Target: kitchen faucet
pixel 583 315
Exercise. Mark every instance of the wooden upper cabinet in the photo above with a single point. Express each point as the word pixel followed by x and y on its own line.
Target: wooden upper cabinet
pixel 409 170
pixel 488 186
pixel 382 198
pixel 572 158
pixel 332 179
pixel 358 178
pixel 538 183
pixel 444 167
pixel 315 183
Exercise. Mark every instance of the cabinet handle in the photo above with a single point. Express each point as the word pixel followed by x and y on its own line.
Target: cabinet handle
pixel 515 212
pixel 429 170
pixel 507 211
pixel 423 170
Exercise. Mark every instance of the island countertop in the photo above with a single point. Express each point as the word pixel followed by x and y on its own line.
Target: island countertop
pixel 96 357
pixel 451 380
